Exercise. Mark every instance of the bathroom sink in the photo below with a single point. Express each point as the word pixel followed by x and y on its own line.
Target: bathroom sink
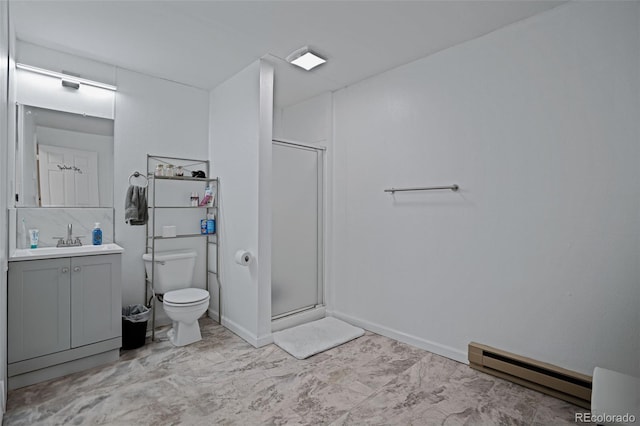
pixel 53 252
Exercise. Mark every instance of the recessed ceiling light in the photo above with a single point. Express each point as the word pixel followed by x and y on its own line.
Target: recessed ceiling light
pixel 304 58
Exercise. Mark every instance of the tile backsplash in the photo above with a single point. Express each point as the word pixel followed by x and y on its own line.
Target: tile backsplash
pixel 52 222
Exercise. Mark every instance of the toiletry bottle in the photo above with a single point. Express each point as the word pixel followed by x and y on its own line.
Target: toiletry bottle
pixel 206 197
pixel 203 226
pixel 34 235
pixel 97 235
pixel 26 236
pixel 211 200
pixel 211 224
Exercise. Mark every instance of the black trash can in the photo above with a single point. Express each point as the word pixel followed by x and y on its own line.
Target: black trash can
pixel 134 325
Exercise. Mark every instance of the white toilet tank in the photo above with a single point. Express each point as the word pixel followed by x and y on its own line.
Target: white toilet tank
pixel 174 269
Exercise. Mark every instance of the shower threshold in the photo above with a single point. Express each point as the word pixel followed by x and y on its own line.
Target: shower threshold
pixel 300 316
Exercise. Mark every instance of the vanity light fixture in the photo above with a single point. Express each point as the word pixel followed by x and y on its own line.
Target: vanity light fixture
pixel 67 80
pixel 70 84
pixel 305 58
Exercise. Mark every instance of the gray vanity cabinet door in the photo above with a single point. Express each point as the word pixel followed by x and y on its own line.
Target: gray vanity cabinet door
pixel 39 308
pixel 96 312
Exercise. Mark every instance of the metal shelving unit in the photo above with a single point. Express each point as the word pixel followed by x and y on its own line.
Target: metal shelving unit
pixel 152 237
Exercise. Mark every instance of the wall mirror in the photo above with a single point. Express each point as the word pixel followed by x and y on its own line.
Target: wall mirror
pixel 63 159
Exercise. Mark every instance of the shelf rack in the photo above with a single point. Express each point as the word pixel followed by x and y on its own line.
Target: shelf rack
pixel 150 236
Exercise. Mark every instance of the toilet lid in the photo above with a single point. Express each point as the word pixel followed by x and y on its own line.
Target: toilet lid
pixel 185 295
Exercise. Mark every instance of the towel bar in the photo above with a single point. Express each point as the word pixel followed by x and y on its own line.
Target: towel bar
pixel 425 188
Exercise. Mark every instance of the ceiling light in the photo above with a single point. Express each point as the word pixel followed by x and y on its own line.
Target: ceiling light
pixel 70 80
pixel 304 58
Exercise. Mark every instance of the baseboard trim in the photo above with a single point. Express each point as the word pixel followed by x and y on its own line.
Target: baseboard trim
pixel 246 335
pixel 265 340
pixel 430 346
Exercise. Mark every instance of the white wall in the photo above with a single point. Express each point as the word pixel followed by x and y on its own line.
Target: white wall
pixel 54 60
pixel 158 117
pixel 309 121
pixel 240 150
pixel 538 252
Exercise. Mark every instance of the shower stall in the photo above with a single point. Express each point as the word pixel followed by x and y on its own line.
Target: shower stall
pixel 297 268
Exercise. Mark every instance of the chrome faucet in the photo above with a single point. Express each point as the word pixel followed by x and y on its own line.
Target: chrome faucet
pixel 70 241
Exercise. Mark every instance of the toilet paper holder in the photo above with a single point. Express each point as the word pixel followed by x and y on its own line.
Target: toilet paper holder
pixel 243 257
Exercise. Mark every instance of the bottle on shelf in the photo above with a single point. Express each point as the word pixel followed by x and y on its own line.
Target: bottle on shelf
pixel 211 224
pixel 207 198
pixel 195 199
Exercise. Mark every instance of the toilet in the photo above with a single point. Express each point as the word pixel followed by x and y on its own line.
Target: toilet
pixel 173 278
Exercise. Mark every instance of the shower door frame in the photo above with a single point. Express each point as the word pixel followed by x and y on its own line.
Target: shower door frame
pixel 321 189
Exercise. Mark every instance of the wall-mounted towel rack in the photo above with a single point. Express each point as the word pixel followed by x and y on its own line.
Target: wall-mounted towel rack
pixel 137 174
pixel 424 188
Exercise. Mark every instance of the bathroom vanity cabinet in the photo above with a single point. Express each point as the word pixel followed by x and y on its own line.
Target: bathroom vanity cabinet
pixel 64 315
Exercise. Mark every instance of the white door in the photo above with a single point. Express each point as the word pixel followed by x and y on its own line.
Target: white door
pixel 68 177
pixel 296 264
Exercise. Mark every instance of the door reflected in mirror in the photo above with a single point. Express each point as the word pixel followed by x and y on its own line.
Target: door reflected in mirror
pixel 63 159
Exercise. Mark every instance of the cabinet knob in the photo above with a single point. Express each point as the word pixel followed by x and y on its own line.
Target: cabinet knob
pixel 65 270
pixel 76 269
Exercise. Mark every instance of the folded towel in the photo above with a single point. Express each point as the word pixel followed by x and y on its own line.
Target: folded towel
pixel 135 206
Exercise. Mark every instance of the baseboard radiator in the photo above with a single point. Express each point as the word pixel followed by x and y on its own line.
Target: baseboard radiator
pixel 546 378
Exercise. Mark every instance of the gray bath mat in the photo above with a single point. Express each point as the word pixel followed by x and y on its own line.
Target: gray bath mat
pixel 314 337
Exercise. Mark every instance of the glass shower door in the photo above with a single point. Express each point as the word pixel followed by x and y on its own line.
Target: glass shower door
pixel 296 269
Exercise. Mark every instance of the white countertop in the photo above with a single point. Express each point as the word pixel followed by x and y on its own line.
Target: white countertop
pixel 55 252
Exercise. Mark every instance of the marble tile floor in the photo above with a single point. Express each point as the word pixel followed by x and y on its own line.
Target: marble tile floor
pixel 222 380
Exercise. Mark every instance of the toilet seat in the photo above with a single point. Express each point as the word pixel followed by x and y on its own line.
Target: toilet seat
pixel 185 297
